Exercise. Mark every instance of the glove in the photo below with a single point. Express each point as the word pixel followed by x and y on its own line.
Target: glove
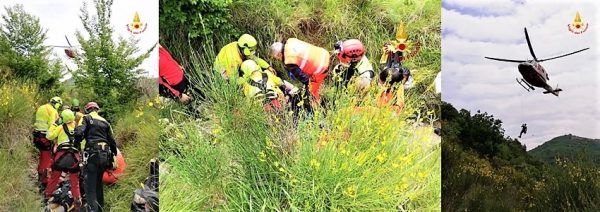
pixel 185 98
pixel 58 121
pixel 114 163
pixel 262 63
pixel 289 88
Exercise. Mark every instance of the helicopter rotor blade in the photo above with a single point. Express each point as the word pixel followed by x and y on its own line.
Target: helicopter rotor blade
pixel 68 41
pixel 564 55
pixel 506 60
pixel 529 44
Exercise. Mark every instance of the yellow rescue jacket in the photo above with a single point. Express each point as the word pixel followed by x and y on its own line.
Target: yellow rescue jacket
pixel 57 133
pixel 362 68
pixel 78 116
pixel 45 117
pixel 230 59
pixel 252 86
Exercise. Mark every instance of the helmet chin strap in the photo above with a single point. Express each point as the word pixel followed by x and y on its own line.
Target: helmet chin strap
pixel 243 51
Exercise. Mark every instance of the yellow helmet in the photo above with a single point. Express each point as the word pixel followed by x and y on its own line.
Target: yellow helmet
pixel 249 66
pixel 67 116
pixel 56 102
pixel 248 44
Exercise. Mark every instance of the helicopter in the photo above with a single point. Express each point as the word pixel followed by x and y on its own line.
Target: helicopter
pixel 534 75
pixel 69 50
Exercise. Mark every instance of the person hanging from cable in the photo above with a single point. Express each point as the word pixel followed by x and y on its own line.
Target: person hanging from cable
pixel 523 130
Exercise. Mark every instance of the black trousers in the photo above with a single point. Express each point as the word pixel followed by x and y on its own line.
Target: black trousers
pixel 97 163
pixel 182 87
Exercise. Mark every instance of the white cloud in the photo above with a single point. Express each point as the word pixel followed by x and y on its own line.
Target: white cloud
pixel 492 8
pixel 473 82
pixel 61 17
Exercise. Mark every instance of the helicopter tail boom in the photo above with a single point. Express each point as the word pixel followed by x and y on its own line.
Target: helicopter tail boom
pixel 555 91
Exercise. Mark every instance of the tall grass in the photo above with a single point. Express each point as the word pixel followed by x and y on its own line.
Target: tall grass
pixel 322 23
pixel 136 132
pixel 17 107
pixel 244 159
pixel 238 157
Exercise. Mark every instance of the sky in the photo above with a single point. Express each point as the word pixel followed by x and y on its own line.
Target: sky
pixel 473 29
pixel 61 17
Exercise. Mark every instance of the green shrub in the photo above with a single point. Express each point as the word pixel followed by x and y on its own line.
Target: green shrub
pixel 23 53
pixel 486 171
pixel 107 68
pixel 17 109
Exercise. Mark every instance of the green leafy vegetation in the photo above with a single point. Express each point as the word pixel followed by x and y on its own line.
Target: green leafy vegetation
pixel 486 171
pixel 27 81
pixel 106 68
pixel 136 132
pixel 22 53
pixel 17 106
pixel 234 156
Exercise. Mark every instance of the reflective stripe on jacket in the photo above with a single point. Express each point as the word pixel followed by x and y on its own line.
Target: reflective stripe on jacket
pixel 312 60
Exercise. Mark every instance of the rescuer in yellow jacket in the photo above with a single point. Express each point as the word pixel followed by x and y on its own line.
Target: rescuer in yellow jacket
pixel 232 55
pixel 45 117
pixel 66 156
pixel 259 83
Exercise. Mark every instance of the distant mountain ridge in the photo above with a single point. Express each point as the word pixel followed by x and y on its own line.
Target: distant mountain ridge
pixel 569 147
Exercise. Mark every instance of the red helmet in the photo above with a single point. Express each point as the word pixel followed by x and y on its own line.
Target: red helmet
pixel 351 51
pixel 91 105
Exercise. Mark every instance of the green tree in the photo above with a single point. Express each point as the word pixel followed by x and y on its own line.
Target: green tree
pixel 22 50
pixel 188 24
pixel 106 67
pixel 205 19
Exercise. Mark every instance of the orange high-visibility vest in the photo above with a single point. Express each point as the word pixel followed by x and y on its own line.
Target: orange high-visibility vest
pixel 312 60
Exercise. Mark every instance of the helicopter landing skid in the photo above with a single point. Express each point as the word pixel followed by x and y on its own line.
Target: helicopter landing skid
pixel 528 88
